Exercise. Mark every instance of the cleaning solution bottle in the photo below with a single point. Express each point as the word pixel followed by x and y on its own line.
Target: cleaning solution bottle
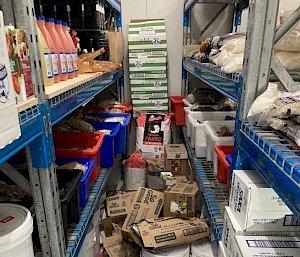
pixel 71 44
pixel 45 56
pixel 50 44
pixel 62 62
pixel 68 49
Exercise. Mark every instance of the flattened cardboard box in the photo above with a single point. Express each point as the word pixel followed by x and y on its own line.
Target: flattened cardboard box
pixel 189 173
pixel 119 204
pixel 147 204
pixel 182 200
pixel 176 158
pixel 109 221
pixel 117 247
pixel 166 232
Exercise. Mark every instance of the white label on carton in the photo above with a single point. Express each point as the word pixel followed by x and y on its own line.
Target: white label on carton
pixel 69 62
pixel 273 244
pixel 54 60
pixel 48 63
pixel 74 58
pixel 63 63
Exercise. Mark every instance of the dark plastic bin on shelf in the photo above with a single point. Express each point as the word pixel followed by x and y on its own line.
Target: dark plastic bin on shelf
pixel 177 106
pixel 124 129
pixel 223 165
pixel 80 145
pixel 68 185
pixel 110 143
pixel 85 181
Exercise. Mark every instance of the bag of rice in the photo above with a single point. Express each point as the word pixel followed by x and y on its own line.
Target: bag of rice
pixel 153 132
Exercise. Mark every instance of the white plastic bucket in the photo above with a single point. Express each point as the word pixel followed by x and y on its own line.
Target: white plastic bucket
pixel 204 248
pixel 87 249
pixel 176 251
pixel 16 226
pixel 213 139
pixel 198 135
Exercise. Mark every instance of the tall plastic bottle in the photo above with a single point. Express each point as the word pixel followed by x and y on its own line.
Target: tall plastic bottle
pixel 50 44
pixel 71 44
pixel 68 49
pixel 45 56
pixel 62 62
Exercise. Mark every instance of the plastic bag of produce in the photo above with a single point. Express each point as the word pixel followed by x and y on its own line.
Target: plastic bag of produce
pixel 290 43
pixel 135 171
pixel 153 132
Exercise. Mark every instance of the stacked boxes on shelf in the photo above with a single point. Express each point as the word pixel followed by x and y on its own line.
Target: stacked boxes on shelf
pixel 148 65
pixel 257 218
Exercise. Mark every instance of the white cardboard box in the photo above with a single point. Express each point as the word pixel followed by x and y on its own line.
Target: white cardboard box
pixel 232 228
pixel 257 207
pixel 263 246
pixel 149 85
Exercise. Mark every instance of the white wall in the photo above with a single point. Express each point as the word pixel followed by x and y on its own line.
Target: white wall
pixel 172 12
pixel 283 6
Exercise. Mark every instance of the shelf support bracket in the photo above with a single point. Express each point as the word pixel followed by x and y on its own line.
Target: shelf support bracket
pixel 16 177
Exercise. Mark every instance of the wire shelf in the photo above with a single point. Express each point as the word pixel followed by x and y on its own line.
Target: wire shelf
pixel 213 192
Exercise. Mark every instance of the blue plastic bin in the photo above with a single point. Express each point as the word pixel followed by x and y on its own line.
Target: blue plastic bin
pixel 85 182
pixel 110 143
pixel 124 129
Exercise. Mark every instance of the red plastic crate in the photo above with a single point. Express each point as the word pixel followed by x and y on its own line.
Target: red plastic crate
pixel 177 108
pixel 223 165
pixel 80 145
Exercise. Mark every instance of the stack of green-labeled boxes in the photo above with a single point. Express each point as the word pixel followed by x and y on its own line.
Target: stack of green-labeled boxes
pixel 147 43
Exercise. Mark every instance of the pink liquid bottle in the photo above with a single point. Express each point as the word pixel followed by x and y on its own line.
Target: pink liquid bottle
pixel 66 46
pixel 62 62
pixel 51 46
pixel 74 50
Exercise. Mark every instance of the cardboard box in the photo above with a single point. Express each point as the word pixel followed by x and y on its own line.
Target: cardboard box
pixel 148 85
pixel 263 246
pixel 150 52
pixel 149 94
pixel 120 203
pixel 221 251
pixel 109 221
pixel 117 247
pixel 257 207
pixel 168 178
pixel 147 204
pixel 161 104
pixel 157 74
pixel 182 200
pixel 167 232
pixel 176 158
pixel 232 228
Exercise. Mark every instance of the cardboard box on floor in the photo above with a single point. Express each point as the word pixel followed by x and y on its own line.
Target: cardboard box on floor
pixel 120 203
pixel 167 232
pixel 182 200
pixel 147 204
pixel 176 158
pixel 109 221
pixel 117 247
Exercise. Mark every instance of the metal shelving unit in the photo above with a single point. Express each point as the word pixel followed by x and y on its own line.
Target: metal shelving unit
pixel 226 84
pixel 37 116
pixel 270 154
pixel 213 193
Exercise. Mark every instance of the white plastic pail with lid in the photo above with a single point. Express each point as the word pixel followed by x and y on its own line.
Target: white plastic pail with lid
pixel 204 248
pixel 16 226
pixel 176 251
